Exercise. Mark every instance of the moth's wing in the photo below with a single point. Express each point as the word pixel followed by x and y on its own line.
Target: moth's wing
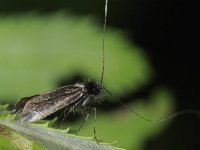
pixel 47 104
pixel 18 108
pixel 21 103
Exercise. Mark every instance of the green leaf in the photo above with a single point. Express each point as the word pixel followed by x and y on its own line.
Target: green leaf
pixel 39 136
pixel 48 138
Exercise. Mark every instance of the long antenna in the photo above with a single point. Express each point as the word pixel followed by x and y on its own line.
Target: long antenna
pixel 194 112
pixel 104 32
pixel 125 106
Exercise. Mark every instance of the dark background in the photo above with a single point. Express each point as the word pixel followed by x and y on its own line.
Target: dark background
pixel 168 32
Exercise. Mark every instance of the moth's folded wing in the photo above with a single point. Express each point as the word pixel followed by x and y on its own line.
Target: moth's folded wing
pixel 19 106
pixel 38 108
pixel 47 103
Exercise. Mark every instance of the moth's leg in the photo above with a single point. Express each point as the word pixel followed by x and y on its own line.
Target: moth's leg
pixel 61 118
pixel 83 123
pixel 65 114
pixel 94 121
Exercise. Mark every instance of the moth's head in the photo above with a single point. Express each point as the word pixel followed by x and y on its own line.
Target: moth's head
pixel 94 88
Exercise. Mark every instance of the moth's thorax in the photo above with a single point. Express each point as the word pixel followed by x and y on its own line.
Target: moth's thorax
pixel 92 88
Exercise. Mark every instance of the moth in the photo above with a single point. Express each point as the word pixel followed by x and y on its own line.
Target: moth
pixel 75 97
pixel 72 98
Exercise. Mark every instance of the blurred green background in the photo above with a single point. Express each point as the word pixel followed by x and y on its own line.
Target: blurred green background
pixel 44 45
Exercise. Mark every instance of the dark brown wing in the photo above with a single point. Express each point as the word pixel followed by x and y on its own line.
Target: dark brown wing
pixel 45 96
pixel 19 106
pixel 47 103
